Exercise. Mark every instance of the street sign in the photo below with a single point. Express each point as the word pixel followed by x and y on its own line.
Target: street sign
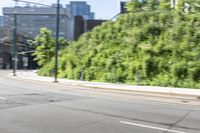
pixel 25 61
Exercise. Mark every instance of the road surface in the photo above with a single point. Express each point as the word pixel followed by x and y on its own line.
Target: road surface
pixel 31 107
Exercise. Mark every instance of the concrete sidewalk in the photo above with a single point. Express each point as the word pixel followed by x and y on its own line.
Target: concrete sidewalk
pixel 32 75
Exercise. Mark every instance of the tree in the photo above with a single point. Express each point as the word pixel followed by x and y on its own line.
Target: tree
pixel 44 47
pixel 133 6
pixel 158 47
pixel 194 5
pixel 63 43
pixel 164 4
pixel 152 4
pixel 180 5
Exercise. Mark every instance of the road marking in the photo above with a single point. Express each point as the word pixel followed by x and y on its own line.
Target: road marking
pixel 151 127
pixel 2 98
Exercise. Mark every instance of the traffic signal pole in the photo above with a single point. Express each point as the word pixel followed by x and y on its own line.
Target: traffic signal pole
pixel 14 58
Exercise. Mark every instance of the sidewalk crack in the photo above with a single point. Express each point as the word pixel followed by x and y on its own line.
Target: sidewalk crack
pixel 178 121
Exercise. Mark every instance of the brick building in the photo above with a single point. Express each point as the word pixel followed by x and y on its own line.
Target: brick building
pixel 81 25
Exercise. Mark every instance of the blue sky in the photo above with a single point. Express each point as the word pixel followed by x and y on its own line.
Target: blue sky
pixel 104 9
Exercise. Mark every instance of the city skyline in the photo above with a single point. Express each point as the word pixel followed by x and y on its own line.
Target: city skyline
pixel 104 9
pixel 80 8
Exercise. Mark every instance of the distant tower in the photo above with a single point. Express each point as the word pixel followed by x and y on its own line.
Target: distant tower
pixel 80 8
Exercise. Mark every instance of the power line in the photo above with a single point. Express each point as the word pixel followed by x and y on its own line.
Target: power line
pixel 35 3
pixel 29 2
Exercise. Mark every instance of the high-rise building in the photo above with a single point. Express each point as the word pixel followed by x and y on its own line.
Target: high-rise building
pixel 80 8
pixel 1 21
pixel 31 19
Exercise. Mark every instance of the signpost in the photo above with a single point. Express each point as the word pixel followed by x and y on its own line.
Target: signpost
pixel 1 59
pixel 57 39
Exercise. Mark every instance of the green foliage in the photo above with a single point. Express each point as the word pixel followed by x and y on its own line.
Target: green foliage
pixel 164 4
pixel 181 5
pixel 44 47
pixel 44 44
pixel 133 5
pixel 194 5
pixel 152 4
pixel 159 47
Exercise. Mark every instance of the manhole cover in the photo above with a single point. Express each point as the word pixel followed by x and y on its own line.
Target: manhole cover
pixel 33 94
pixel 185 101
pixel 51 101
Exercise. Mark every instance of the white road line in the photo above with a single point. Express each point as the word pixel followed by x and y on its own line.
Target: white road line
pixel 151 127
pixel 2 98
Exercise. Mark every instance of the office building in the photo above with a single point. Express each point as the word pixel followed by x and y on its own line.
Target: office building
pixel 31 19
pixel 24 61
pixel 80 8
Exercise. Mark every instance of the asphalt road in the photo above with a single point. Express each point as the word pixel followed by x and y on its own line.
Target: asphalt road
pixel 30 107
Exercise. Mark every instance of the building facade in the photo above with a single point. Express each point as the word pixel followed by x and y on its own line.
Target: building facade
pixel 81 25
pixel 31 19
pixel 24 61
pixel 80 8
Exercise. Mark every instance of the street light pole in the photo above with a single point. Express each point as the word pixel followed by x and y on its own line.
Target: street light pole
pixel 57 39
pixel 14 44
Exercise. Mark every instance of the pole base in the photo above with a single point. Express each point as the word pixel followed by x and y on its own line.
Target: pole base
pixel 55 81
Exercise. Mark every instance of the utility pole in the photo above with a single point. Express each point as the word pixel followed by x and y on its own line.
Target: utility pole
pixel 57 39
pixel 57 33
pixel 14 44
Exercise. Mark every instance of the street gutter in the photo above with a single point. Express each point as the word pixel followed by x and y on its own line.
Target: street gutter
pixel 32 76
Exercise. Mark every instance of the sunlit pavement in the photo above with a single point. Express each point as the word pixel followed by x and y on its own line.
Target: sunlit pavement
pixel 35 107
pixel 32 75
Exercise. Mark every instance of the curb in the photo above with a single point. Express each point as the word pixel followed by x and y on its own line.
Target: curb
pixel 105 86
